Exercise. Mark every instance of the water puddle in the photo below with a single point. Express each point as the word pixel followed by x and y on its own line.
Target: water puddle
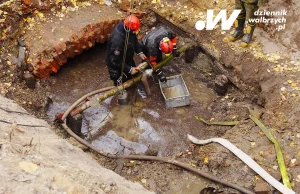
pixel 93 119
pixel 130 134
pixel 133 141
pixel 112 143
pixel 55 108
pixel 115 130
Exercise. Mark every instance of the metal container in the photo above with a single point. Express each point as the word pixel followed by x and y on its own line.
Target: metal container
pixel 123 98
pixel 175 92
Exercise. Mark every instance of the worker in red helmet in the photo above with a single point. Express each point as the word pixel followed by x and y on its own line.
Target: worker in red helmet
pixel 158 41
pixel 115 56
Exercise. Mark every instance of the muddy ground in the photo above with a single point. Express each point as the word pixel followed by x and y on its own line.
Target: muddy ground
pixel 261 78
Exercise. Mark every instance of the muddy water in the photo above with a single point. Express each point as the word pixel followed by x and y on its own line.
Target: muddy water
pixel 124 129
pixel 142 124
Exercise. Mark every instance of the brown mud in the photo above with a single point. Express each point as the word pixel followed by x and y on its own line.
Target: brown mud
pixel 147 123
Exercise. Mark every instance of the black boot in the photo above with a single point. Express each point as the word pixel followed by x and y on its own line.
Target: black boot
pixel 248 36
pixel 239 30
pixel 141 90
pixel 161 76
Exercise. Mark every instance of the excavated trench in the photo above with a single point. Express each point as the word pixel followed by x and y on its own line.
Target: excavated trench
pixel 132 128
pixel 145 125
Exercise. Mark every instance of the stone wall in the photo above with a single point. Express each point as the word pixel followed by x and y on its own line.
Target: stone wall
pixel 53 42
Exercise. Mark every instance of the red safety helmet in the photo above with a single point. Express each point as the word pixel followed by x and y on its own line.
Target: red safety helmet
pixel 166 46
pixel 132 22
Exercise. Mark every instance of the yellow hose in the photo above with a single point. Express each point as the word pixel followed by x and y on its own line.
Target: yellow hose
pixel 280 160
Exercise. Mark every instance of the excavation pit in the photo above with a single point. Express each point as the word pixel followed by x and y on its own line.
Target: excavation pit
pixel 141 125
pixel 143 122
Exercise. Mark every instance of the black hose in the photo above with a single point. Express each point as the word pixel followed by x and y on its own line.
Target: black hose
pixel 82 99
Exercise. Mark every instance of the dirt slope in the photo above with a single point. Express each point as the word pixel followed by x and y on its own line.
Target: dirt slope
pixel 36 160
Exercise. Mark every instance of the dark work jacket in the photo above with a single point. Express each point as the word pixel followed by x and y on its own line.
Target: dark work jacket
pixel 150 42
pixel 115 50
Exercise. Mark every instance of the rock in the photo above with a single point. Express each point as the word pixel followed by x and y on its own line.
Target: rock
pixel 125 5
pixel 261 101
pixel 151 152
pixel 135 170
pixel 21 56
pixel 221 84
pixel 208 190
pixel 75 123
pixel 189 55
pixel 262 188
pixel 13 59
pixel 120 164
pixel 108 2
pixel 276 175
pixel 107 189
pixel 30 80
pixel 129 164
